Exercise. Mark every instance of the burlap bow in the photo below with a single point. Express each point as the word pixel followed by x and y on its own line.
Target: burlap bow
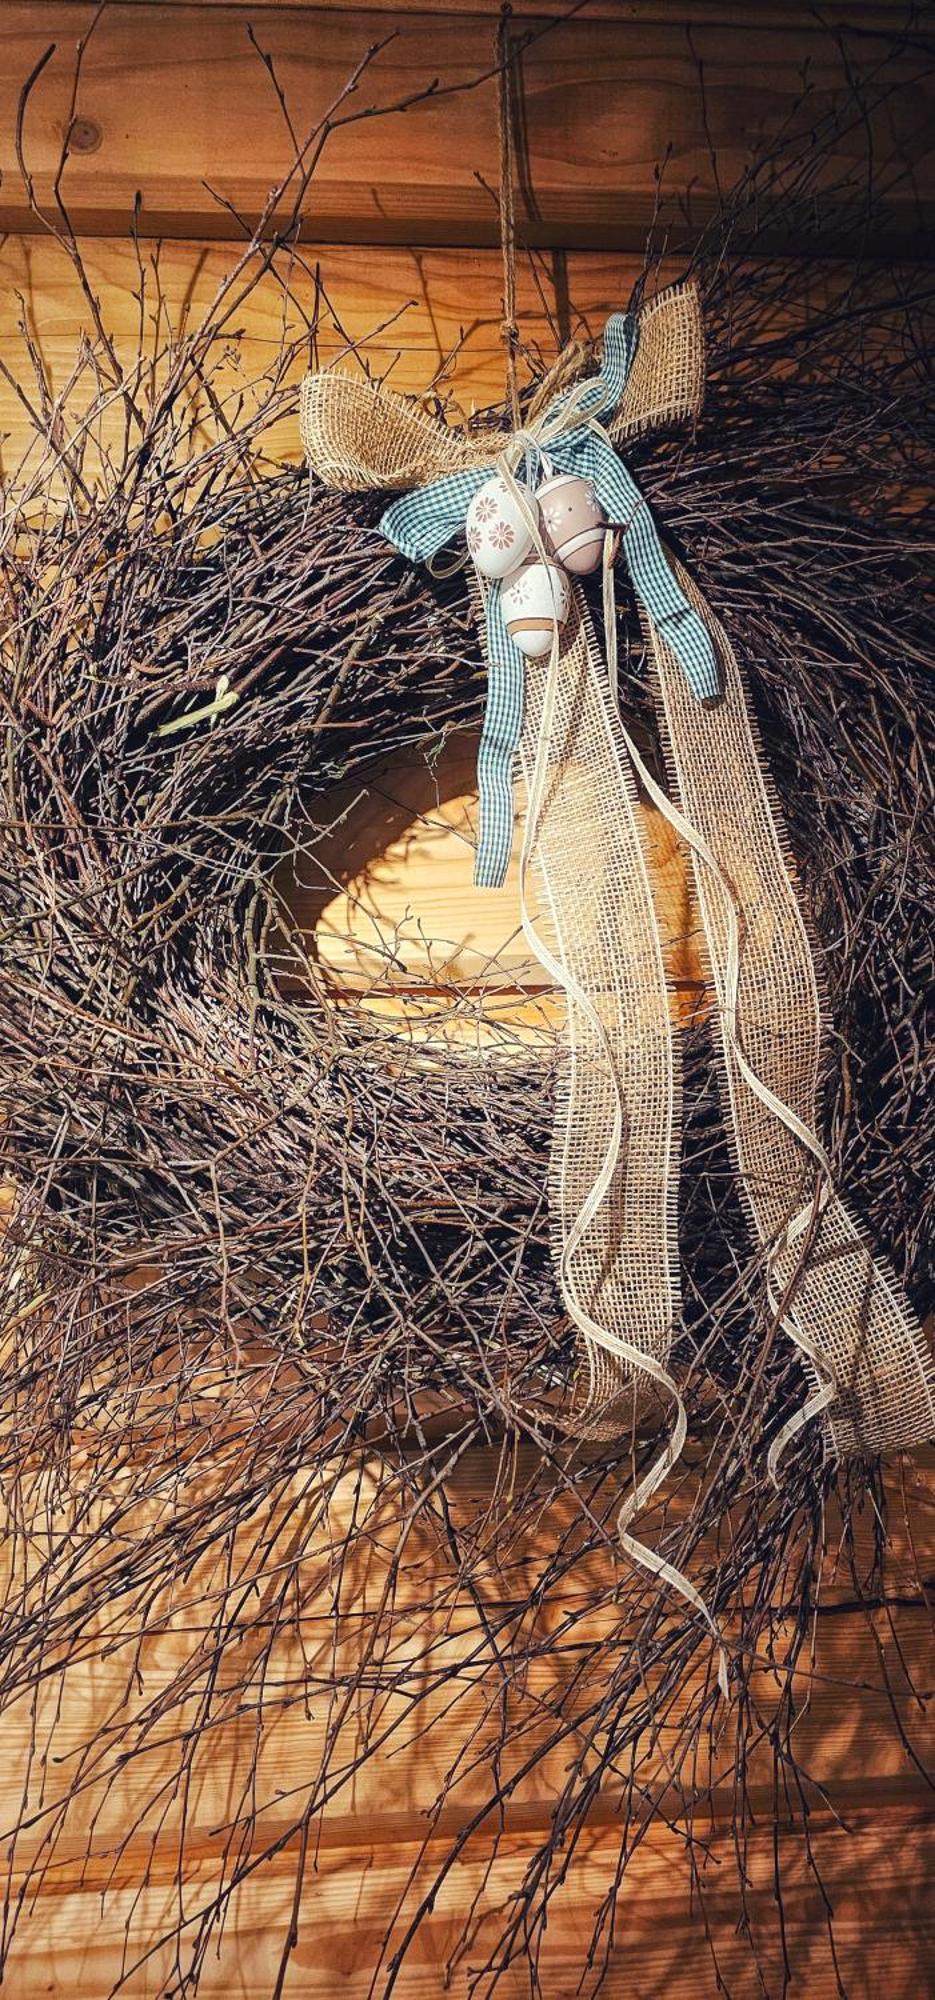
pixel 614 1169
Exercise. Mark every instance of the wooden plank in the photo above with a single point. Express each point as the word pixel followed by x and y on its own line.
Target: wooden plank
pixel 418 317
pixel 874 1877
pixel 392 1798
pixel 421 319
pixel 867 1671
pixel 174 101
pixel 880 16
pixel 845 1740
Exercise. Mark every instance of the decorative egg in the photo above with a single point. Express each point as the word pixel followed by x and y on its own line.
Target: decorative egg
pixel 497 535
pixel 573 522
pixel 534 601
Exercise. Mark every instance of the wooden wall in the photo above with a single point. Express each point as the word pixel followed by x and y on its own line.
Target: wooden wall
pixel 177 131
pixel 176 127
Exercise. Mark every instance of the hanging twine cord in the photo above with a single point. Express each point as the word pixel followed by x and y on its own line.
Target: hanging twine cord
pixel 509 330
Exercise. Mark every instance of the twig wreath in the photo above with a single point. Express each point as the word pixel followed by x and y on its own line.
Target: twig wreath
pixel 262 1255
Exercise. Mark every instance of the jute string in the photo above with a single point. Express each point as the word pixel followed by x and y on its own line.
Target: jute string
pixel 509 328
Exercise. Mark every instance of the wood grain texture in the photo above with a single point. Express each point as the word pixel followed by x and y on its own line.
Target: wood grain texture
pixel 174 102
pixel 866 1798
pixel 881 17
pixel 875 1876
pixel 426 321
pixel 418 318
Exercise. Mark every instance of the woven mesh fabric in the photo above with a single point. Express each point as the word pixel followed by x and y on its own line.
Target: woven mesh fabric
pixel 840 1301
pixel 666 380
pixel 596 909
pixel 359 437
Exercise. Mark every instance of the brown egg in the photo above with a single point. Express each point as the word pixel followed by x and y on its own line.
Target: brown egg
pixel 573 522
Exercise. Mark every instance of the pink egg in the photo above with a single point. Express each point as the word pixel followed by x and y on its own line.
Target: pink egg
pixel 497 535
pixel 573 522
pixel 534 602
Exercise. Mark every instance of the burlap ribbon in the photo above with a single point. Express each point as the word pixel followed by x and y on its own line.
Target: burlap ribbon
pixel 614 1169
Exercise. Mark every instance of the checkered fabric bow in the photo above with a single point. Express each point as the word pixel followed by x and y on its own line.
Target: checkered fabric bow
pixel 569 436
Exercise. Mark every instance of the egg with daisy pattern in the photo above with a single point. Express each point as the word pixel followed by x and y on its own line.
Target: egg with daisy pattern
pixel 498 536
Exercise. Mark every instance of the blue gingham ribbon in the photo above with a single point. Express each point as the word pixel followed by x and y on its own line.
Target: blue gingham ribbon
pixel 569 436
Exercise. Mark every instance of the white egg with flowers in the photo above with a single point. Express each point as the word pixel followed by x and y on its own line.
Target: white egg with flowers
pixel 499 536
